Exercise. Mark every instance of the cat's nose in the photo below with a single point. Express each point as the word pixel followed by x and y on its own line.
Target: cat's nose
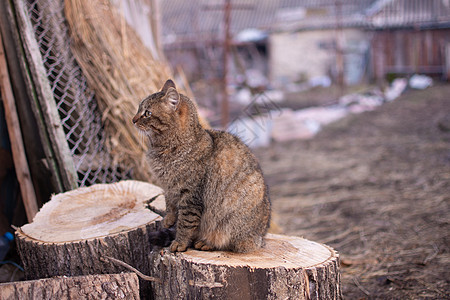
pixel 135 119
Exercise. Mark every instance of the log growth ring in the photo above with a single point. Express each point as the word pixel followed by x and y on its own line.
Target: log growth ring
pixel 279 251
pixel 95 211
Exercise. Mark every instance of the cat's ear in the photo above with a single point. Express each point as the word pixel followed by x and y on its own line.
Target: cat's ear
pixel 169 84
pixel 173 97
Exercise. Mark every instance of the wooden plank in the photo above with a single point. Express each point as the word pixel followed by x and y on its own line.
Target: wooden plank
pixel 15 136
pixel 107 286
pixel 52 13
pixel 31 98
pixel 438 46
pixel 428 55
pixel 379 57
pixel 33 130
pixel 447 61
pixel 45 97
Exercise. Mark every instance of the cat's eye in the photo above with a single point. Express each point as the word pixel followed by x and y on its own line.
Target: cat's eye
pixel 147 113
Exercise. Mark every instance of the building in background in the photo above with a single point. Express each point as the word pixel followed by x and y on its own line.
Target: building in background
pixel 410 36
pixel 280 44
pixel 320 39
pixel 302 39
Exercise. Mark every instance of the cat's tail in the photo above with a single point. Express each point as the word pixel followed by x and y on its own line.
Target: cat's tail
pixel 162 237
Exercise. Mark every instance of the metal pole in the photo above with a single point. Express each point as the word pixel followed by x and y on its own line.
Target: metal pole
pixel 155 22
pixel 227 49
pixel 339 46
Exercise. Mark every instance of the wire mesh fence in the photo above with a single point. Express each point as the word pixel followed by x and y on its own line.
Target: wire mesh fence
pixel 76 103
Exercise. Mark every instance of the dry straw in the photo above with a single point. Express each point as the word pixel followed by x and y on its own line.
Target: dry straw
pixel 121 71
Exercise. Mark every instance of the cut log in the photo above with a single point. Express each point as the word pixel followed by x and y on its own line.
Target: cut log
pixel 78 232
pixel 286 268
pixel 107 286
pixel 75 232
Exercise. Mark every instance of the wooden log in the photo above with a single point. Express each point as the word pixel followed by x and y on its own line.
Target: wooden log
pixel 75 232
pixel 107 286
pixel 286 268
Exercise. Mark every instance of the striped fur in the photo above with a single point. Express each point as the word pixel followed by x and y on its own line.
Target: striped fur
pixel 214 188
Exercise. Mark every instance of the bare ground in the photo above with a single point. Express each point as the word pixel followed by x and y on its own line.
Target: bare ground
pixel 376 187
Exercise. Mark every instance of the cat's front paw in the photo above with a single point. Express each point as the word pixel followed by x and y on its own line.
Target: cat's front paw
pixel 178 246
pixel 201 245
pixel 169 220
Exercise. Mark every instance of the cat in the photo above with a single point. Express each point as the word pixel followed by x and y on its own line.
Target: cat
pixel 215 192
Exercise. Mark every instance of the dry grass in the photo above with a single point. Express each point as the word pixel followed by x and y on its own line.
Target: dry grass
pixel 376 188
pixel 121 71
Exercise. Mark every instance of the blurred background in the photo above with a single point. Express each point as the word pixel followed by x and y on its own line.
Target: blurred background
pixel 281 48
pixel 345 103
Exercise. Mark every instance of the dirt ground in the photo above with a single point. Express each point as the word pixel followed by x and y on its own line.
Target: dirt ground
pixel 376 187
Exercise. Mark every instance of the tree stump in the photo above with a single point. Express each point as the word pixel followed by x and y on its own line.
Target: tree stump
pixel 110 286
pixel 286 268
pixel 75 232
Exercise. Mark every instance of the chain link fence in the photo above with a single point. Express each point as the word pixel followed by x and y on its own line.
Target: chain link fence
pixel 75 101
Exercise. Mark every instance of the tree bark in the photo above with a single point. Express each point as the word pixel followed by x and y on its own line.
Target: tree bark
pixel 108 286
pixel 286 268
pixel 75 232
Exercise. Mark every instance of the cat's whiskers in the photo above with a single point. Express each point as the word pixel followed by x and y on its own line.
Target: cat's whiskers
pixel 142 136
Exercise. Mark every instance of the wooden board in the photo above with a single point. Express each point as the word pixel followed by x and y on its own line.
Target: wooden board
pixel 28 74
pixel 15 135
pixel 286 268
pixel 45 105
pixel 41 167
pixel 108 286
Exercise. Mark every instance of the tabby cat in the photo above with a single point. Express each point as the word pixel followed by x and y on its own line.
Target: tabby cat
pixel 214 188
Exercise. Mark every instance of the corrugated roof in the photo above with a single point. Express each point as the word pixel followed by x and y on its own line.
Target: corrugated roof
pixel 409 13
pixel 195 19
pixel 184 20
pixel 322 14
